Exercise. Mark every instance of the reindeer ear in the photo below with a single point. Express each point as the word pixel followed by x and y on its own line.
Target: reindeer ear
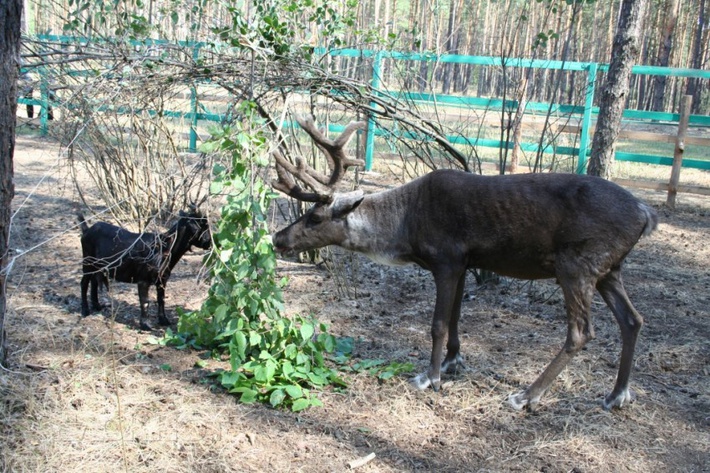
pixel 346 203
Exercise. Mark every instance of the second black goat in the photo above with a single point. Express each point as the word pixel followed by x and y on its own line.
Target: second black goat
pixel 141 258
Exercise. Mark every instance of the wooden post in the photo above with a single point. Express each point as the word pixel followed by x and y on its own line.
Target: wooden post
pixel 518 125
pixel 586 119
pixel 371 123
pixel 679 149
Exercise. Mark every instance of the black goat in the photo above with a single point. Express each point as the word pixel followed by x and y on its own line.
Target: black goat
pixel 142 258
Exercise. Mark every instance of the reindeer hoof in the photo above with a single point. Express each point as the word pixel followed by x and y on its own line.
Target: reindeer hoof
pixel 453 365
pixel 521 401
pixel 164 321
pixel 518 401
pixel 626 396
pixel 422 381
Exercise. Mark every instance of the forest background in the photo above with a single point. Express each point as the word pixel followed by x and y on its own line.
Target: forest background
pixel 675 34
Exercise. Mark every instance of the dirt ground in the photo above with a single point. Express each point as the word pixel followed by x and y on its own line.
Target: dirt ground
pixel 96 395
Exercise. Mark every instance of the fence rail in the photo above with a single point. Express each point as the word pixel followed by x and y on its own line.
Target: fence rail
pixel 583 113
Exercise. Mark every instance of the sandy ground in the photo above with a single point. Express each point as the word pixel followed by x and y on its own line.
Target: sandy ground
pixel 95 394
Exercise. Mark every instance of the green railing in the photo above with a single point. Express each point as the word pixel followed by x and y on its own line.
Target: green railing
pixel 585 112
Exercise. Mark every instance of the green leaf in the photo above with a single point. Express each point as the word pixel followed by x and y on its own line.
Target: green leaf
pixel 294 391
pixel 287 369
pixel 277 397
pixel 328 342
pixel 152 340
pixel 248 396
pixel 229 378
pixel 316 402
pixel 385 375
pixel 344 345
pixel 300 404
pixel 317 379
pixel 307 331
pixel 264 372
pixel 216 187
pixel 254 339
pixel 241 343
pixel 226 255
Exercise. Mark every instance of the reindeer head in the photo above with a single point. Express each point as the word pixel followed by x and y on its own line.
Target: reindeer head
pixel 324 223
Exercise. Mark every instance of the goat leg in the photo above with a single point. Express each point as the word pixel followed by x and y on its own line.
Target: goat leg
pixel 143 300
pixel 162 318
pixel 85 280
pixel 96 279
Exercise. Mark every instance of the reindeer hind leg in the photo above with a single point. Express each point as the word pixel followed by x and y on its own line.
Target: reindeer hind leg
pixel 578 294
pixel 453 360
pixel 630 322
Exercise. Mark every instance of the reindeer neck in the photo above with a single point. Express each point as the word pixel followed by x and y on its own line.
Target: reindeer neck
pixel 377 227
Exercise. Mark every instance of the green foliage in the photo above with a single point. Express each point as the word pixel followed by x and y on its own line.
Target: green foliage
pixel 381 369
pixel 286 27
pixel 559 8
pixel 132 19
pixel 273 358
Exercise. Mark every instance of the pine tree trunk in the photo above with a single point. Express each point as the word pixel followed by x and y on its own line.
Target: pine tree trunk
pixel 624 53
pixel 664 51
pixel 694 85
pixel 10 17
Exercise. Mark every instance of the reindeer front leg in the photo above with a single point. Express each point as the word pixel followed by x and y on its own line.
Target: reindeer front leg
pixel 447 289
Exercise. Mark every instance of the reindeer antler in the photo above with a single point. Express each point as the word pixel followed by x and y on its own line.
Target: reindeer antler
pixel 322 186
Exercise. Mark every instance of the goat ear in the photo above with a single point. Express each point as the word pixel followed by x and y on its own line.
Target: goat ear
pixel 346 203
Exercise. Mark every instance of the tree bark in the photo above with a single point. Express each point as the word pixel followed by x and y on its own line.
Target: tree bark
pixel 664 51
pixel 613 99
pixel 10 18
pixel 694 85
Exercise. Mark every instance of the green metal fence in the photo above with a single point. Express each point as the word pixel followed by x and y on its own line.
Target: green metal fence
pixel 585 113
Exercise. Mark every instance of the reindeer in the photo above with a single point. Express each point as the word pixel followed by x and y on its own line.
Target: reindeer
pixel 574 228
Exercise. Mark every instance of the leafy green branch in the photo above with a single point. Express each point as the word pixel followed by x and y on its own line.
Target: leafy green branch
pixel 272 358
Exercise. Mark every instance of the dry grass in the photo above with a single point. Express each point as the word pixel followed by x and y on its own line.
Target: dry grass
pixel 94 395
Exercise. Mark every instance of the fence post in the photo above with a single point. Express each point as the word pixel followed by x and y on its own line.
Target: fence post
pixel 586 119
pixel 371 124
pixel 44 101
pixel 679 149
pixel 193 106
